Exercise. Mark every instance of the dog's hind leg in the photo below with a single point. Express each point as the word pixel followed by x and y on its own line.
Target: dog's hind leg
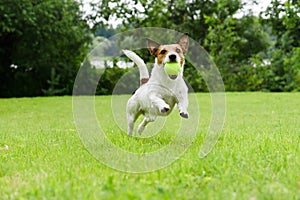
pixel 133 113
pixel 142 126
pixel 131 118
pixel 130 121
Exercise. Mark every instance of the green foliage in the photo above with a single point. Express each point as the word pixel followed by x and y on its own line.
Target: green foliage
pixel 183 16
pixel 284 19
pixel 194 79
pixel 292 69
pixel 230 41
pixel 53 85
pixel 104 31
pixel 110 78
pixel 86 79
pixel 36 36
pixel 43 43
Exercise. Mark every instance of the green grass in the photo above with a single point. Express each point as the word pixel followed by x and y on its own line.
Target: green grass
pixel 256 157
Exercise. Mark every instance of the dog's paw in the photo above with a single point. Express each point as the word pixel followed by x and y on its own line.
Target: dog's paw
pixel 184 115
pixel 164 110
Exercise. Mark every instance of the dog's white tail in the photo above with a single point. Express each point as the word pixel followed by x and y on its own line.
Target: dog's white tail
pixel 144 74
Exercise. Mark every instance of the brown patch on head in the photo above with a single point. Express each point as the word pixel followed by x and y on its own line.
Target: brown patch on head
pixel 161 51
pixel 164 50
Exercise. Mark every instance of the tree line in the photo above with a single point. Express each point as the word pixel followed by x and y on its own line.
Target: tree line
pixel 44 42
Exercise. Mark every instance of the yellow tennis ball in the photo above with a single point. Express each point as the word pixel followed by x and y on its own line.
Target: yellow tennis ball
pixel 172 68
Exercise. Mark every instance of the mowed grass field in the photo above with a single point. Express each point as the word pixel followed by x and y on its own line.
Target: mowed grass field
pixel 256 157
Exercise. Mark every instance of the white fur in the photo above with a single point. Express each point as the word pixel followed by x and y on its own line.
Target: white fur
pixel 158 96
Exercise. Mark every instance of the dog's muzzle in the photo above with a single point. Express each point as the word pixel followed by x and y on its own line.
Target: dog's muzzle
pixel 173 77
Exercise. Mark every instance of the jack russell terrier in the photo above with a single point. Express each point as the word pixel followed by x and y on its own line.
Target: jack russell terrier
pixel 158 94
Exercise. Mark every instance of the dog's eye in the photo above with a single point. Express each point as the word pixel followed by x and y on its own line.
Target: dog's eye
pixel 163 51
pixel 177 50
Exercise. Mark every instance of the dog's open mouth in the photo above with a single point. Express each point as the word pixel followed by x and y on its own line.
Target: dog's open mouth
pixel 173 77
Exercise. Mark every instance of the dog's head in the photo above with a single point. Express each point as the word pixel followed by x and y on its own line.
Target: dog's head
pixel 170 52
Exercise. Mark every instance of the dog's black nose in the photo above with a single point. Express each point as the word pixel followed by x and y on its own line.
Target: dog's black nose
pixel 172 57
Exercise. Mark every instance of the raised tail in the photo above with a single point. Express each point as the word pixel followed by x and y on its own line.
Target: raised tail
pixel 144 74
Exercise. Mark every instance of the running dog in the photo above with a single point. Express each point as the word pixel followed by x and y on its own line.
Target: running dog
pixel 158 94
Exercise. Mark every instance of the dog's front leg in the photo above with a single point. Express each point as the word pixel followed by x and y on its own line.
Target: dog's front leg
pixel 183 103
pixel 160 104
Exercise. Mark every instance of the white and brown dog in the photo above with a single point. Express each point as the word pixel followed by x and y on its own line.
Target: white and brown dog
pixel 158 94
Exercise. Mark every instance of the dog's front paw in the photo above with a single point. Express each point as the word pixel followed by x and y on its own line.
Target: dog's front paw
pixel 184 115
pixel 164 110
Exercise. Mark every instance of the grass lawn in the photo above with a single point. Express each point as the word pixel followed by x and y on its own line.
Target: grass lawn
pixel 256 157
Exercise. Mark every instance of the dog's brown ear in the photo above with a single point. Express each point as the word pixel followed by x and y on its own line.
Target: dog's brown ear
pixel 184 42
pixel 152 46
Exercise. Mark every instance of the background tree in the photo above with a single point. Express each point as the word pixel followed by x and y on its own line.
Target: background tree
pixel 180 15
pixel 231 41
pixel 284 20
pixel 42 42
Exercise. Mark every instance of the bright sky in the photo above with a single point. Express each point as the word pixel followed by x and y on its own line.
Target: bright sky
pixel 256 9
pixel 261 6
